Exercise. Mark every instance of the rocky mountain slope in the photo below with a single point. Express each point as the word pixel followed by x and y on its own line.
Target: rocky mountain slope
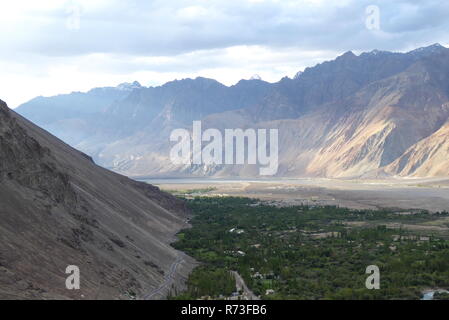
pixel 58 208
pixel 356 116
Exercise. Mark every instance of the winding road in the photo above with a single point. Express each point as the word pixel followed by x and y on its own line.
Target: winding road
pixel 168 279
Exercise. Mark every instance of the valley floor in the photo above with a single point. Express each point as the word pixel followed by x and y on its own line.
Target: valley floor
pixel 427 194
pixel 303 227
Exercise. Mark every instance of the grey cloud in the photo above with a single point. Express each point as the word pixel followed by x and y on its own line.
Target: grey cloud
pixel 164 27
pixel 163 39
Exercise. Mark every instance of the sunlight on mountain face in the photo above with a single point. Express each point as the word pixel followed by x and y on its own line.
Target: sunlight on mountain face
pixel 340 118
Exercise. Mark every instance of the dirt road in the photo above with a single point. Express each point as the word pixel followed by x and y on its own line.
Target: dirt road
pixel 168 280
pixel 241 286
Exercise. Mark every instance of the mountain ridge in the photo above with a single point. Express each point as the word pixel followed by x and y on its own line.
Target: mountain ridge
pixel 361 112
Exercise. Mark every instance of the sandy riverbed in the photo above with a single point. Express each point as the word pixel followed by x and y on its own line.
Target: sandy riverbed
pixel 429 194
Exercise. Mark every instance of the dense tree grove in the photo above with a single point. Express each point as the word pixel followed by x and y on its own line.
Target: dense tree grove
pixel 304 252
pixel 208 281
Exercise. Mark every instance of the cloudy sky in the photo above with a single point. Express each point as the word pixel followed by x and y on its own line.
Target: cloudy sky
pixel 55 46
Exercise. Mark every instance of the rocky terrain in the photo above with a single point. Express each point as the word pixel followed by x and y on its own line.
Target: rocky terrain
pixel 376 114
pixel 59 208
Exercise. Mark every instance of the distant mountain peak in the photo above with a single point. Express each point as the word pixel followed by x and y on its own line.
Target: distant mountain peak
pixel 436 45
pixel 129 86
pixel 206 80
pixel 298 74
pixel 376 52
pixel 434 48
pixel 255 77
pixel 347 54
pixel 198 82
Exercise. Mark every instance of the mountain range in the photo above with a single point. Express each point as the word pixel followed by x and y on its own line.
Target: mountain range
pixel 377 114
pixel 59 209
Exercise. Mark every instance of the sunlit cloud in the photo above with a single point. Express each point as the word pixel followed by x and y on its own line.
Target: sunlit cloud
pixel 53 46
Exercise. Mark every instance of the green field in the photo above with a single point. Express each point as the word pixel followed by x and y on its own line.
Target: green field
pixel 306 252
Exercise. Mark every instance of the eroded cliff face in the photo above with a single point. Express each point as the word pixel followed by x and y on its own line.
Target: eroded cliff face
pixel 57 208
pixel 428 157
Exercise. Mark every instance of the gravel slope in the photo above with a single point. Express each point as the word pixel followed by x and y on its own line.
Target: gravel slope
pixel 58 208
